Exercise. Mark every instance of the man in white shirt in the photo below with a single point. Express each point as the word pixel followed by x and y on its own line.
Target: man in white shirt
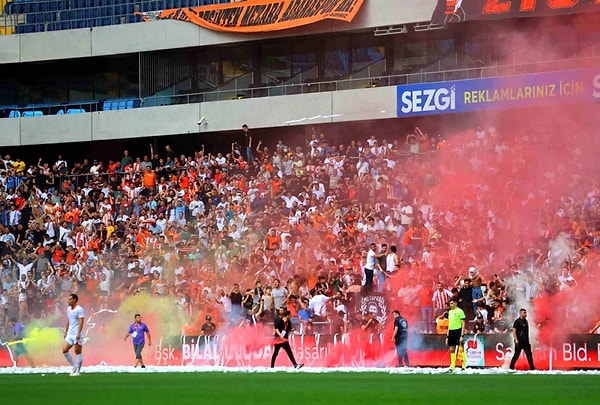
pixel 196 206
pixel 73 331
pixel 14 216
pixel 318 305
pixel 370 266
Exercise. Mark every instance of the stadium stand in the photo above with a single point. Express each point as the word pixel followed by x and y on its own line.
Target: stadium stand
pixel 57 15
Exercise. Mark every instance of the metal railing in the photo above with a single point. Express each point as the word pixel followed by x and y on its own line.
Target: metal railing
pixel 317 86
pixel 236 92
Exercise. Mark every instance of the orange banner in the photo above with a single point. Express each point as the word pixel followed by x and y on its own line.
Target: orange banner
pixel 262 15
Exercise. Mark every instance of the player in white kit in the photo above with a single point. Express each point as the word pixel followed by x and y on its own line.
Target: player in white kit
pixel 73 330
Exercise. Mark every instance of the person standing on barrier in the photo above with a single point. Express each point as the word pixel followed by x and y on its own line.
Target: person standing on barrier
pixel 456 332
pixel 282 329
pixel 248 143
pixel 372 264
pixel 520 331
pixel 400 338
pixel 138 331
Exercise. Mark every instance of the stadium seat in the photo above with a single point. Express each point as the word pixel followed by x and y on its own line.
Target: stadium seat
pixel 40 27
pixel 133 19
pixel 121 104
pixel 62 5
pixel 29 28
pixel 52 26
pixel 65 25
pixel 32 114
pixel 30 18
pixel 50 17
pixel 60 112
pixel 106 106
pixel 75 111
pixel 14 114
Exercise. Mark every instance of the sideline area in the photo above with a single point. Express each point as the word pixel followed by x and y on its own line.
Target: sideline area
pixel 306 370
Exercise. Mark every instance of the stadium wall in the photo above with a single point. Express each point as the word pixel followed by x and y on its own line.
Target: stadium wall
pixel 313 108
pixel 168 34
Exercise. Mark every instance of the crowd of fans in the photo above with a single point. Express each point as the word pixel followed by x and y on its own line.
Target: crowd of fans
pixel 239 234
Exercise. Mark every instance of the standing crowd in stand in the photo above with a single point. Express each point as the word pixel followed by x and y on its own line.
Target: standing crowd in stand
pixel 237 236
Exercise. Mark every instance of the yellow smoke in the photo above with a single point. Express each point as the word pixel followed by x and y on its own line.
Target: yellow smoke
pixel 104 331
pixel 40 340
pixel 159 313
pixel 43 341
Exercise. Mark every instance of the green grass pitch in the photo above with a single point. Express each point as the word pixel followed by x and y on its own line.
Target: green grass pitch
pixel 285 388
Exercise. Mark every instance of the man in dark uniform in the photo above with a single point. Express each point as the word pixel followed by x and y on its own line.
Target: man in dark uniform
pixel 520 332
pixel 209 328
pixel 400 337
pixel 282 329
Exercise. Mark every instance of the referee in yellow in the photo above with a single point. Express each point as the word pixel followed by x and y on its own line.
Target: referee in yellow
pixel 456 332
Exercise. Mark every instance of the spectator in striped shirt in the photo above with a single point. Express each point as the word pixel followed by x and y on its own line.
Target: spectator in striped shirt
pixel 440 298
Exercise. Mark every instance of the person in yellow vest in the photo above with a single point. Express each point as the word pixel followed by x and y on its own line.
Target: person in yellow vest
pixel 456 333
